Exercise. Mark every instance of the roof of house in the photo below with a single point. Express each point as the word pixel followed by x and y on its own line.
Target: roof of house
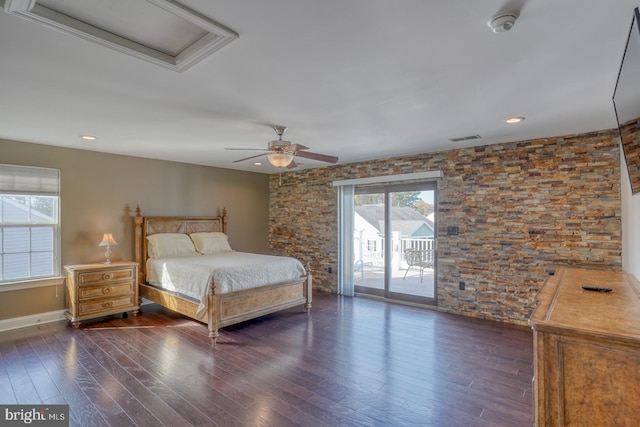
pixel 406 220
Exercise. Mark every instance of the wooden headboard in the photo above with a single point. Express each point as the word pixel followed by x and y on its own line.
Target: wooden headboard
pixel 150 225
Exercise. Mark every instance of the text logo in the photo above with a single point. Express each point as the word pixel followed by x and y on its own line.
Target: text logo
pixel 34 415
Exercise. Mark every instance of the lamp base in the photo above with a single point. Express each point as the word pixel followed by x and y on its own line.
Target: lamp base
pixel 108 255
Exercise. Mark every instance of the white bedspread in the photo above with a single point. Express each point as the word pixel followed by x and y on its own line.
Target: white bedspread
pixel 230 271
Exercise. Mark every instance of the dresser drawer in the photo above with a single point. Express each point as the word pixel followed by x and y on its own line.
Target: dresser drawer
pixel 104 277
pixel 105 290
pixel 105 305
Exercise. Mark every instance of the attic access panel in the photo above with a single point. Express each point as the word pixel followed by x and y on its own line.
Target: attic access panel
pixel 162 32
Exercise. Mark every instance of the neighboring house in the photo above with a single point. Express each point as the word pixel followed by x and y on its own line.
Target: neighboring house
pixel 15 211
pixel 410 229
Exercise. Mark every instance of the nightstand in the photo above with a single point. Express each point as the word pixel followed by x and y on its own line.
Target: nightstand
pixel 95 290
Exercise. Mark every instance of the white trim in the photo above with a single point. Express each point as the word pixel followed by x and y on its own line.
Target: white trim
pixel 389 178
pixel 28 284
pixel 31 320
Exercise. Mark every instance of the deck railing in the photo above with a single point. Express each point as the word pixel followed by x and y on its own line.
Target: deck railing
pixel 419 244
pixel 375 258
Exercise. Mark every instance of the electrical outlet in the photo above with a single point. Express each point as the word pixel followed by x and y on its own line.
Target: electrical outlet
pixel 461 286
pixel 329 270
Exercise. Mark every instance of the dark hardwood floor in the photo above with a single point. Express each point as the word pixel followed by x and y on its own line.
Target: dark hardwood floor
pixel 351 362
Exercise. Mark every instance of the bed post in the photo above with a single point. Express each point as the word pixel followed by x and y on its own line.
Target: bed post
pixel 308 290
pixel 214 312
pixel 224 220
pixel 139 258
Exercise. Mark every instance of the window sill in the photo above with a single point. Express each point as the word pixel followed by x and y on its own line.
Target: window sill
pixel 28 284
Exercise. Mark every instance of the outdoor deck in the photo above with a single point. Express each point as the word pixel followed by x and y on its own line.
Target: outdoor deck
pixel 373 277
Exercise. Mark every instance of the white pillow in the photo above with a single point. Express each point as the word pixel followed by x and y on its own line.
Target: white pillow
pixel 169 245
pixel 211 243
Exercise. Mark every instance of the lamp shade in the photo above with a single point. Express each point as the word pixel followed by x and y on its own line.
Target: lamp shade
pixel 108 240
pixel 280 160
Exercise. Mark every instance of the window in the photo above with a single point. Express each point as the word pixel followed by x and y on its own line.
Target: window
pixel 29 223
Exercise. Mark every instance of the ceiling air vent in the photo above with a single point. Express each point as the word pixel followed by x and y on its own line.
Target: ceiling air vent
pixel 465 138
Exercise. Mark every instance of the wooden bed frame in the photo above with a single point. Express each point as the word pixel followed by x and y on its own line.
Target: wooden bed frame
pixel 223 309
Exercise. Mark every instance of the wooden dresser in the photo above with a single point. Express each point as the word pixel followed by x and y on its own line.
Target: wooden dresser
pixel 95 290
pixel 587 350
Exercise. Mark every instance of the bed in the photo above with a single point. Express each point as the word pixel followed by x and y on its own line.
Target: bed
pixel 250 286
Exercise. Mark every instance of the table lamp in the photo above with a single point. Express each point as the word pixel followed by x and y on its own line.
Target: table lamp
pixel 108 241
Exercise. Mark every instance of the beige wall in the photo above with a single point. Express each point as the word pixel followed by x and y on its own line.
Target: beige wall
pixel 99 193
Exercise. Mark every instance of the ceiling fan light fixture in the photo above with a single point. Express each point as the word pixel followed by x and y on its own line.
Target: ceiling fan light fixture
pixel 280 160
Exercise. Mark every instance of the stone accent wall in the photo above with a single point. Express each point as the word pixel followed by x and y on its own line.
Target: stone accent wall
pixel 520 207
pixel 631 145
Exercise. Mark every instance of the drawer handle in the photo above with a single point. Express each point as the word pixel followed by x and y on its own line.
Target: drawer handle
pixel 107 304
pixel 107 276
pixel 106 290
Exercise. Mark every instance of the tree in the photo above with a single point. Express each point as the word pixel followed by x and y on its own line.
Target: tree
pixel 369 199
pixel 400 199
pixel 405 198
pixel 424 208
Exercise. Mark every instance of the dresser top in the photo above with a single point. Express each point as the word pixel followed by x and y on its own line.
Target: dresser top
pixel 562 304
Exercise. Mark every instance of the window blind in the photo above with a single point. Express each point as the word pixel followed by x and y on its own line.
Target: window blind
pixel 29 180
pixel 345 240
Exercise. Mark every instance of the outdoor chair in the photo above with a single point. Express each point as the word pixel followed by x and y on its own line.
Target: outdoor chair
pixel 419 259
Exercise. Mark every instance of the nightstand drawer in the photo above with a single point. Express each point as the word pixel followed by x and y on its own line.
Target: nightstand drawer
pixel 103 277
pixel 105 305
pixel 105 290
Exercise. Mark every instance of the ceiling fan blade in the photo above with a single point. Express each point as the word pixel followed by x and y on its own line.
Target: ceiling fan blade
pixel 243 149
pixel 292 165
pixel 316 156
pixel 247 158
pixel 297 147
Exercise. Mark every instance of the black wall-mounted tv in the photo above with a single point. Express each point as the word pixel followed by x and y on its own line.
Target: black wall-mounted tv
pixel 626 103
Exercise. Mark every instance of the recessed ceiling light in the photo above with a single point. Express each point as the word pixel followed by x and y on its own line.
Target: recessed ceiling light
pixel 257 163
pixel 512 120
pixel 88 137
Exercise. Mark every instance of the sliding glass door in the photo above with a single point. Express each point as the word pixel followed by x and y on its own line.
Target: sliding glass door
pixel 394 241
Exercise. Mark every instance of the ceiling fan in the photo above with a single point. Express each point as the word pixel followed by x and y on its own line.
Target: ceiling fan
pixel 280 153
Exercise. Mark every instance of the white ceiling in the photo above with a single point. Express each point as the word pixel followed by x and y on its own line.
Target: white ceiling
pixel 359 79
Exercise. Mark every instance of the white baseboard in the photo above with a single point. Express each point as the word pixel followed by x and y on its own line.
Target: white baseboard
pixel 39 318
pixel 31 320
